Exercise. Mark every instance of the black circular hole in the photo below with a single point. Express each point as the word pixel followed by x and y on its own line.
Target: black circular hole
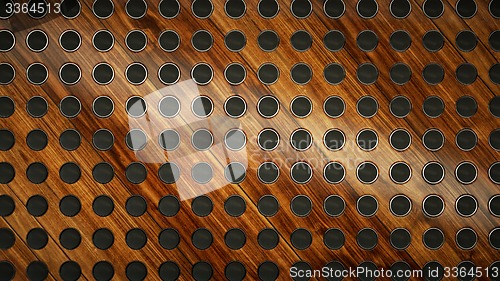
pixel 37 9
pixel 466 238
pixel 202 8
pixel 103 40
pixel 36 173
pixel 367 239
pixel 136 73
pixel 268 73
pixel 400 40
pixel 268 172
pixel 301 205
pixel 103 139
pixel 169 140
pixel 169 271
pixel 169 206
pixel 169 173
pixel 136 140
pixel 103 106
pixel 466 9
pixel 36 73
pixel 136 40
pixel 301 238
pixel 494 205
pixel 334 139
pixel 136 206
pixel 169 238
pixel 334 238
pixel 103 173
pixel 494 106
pixel 136 173
pixel 103 238
pixel 301 8
pixel 136 271
pixel 37 205
pixel 301 40
pixel 7 205
pixel 466 73
pixel 301 106
pixel 334 205
pixel 70 40
pixel 202 139
pixel 433 73
pixel 400 238
pixel 70 9
pixel 136 107
pixel 268 106
pixel 235 9
pixel 494 139
pixel 334 8
pixel 37 239
pixel 70 271
pixel 4 14
pixel 7 105
pixel 37 107
pixel 202 239
pixel 334 106
pixel 367 40
pixel 235 172
pixel 367 205
pixel 103 206
pixel 367 172
pixel 202 106
pixel 433 172
pixel 103 74
pixel 169 40
pixel 202 271
pixel 301 139
pixel 268 9
pixel 301 73
pixel 469 272
pixel 334 266
pixel 494 40
pixel 202 73
pixel 70 238
pixel 235 205
pixel 235 271
pixel 400 139
pixel 400 73
pixel 400 9
pixel 70 173
pixel 400 205
pixel 70 205
pixel 8 238
pixel 494 9
pixel 334 40
pixel 70 73
pixel 433 238
pixel 202 206
pixel 433 139
pixel 235 239
pixel 433 41
pixel 103 9
pixel 70 106
pixel 494 238
pixel 400 106
pixel 334 73
pixel 367 106
pixel 235 40
pixel 301 172
pixel 400 172
pixel 136 239
pixel 433 106
pixel 70 139
pixel 202 40
pixel 367 73
pixel 466 172
pixel 268 139
pixel 136 9
pixel 366 267
pixel 466 205
pixel 334 172
pixel 268 239
pixel 466 139
pixel 397 267
pixel 367 139
pixel 37 271
pixel 268 40
pixel 433 9
pixel 433 206
pixel 466 41
pixel 268 205
pixel 7 40
pixel 367 9
pixel 235 73
pixel 103 271
pixel 466 106
pixel 169 9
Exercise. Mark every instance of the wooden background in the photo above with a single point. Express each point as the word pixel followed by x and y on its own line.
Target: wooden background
pixel 218 222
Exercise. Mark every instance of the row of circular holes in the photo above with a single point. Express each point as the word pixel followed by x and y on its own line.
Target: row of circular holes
pixel 236 270
pixel 367 172
pixel 235 40
pixel 400 205
pixel 301 9
pixel 235 73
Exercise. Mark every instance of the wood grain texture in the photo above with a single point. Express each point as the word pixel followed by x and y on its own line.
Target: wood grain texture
pixel 251 189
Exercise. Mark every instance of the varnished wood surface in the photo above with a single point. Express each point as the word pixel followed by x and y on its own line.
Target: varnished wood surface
pixel 251 189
